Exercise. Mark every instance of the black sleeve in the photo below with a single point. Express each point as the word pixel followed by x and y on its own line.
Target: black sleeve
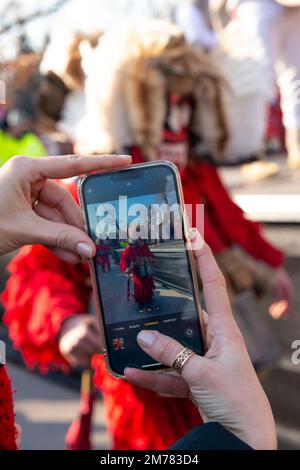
pixel 210 436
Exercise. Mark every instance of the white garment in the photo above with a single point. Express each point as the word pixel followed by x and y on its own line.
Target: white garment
pixel 190 18
pixel 278 29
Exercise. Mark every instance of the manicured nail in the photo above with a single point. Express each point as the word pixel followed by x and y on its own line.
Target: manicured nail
pixel 146 338
pixel 84 250
pixel 193 234
pixel 196 239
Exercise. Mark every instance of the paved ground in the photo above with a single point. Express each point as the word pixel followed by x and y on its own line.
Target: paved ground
pixel 44 410
pixel 114 284
pixel 275 199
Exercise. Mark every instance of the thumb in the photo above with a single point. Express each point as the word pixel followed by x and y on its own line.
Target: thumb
pixel 63 237
pixel 165 350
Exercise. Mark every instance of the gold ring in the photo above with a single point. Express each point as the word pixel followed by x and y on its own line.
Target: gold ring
pixel 181 359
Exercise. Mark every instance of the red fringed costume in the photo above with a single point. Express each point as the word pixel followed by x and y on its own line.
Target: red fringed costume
pixel 8 431
pixel 143 285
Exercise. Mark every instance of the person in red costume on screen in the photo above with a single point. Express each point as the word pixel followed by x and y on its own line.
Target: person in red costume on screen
pixel 138 259
pixel 103 251
pixel 23 182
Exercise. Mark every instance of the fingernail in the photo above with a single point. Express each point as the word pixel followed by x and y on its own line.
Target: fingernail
pixel 193 234
pixel 196 239
pixel 146 338
pixel 127 157
pixel 83 249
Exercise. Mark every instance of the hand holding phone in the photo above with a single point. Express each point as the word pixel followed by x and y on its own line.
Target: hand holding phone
pixel 144 276
pixel 222 384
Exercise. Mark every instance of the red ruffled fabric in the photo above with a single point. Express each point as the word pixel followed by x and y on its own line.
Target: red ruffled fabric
pixel 41 293
pixel 139 419
pixel 8 432
pixel 225 223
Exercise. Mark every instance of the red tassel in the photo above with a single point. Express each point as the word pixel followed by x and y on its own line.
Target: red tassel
pixel 8 432
pixel 79 433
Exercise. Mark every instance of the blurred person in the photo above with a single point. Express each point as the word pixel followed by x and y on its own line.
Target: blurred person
pixel 102 254
pixel 192 17
pixel 242 67
pixel 35 209
pixel 48 302
pixel 222 384
pixel 276 23
pixel 17 137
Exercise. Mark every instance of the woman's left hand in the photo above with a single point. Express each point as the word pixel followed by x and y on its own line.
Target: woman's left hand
pixel 35 209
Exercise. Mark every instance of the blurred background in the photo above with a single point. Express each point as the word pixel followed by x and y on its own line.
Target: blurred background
pixel 213 86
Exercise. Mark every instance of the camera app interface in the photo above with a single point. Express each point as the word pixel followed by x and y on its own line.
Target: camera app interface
pixel 143 273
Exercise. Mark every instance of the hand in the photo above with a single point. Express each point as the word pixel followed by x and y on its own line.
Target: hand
pixel 79 339
pixel 56 220
pixel 223 384
pixel 283 292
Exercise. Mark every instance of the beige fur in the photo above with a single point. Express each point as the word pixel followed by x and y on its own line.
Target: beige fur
pixel 136 70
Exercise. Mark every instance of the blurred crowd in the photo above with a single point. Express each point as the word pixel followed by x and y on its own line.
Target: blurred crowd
pixel 216 84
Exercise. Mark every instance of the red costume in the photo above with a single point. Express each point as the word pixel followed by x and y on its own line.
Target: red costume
pixel 103 256
pixel 42 292
pixel 8 431
pixel 143 285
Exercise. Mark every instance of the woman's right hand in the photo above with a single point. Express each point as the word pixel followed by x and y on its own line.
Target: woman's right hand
pixel 222 384
pixel 79 339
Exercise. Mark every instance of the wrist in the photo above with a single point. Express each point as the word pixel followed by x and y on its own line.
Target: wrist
pixel 261 436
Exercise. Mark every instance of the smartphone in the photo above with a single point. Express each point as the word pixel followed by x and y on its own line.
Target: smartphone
pixel 143 275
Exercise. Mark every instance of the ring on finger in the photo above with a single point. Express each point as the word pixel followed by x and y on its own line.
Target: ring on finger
pixel 181 359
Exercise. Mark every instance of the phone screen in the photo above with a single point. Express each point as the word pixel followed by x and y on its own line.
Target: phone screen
pixel 143 272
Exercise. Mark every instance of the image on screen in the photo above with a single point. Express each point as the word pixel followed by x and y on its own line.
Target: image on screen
pixel 141 264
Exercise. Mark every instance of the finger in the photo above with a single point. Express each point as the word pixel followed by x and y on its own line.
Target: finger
pixel 65 255
pixel 159 383
pixel 162 348
pixel 51 214
pixel 205 317
pixel 58 235
pixel 279 309
pixel 79 360
pixel 206 333
pixel 59 207
pixel 214 285
pixel 48 213
pixel 59 198
pixel 94 340
pixel 73 165
pixel 85 347
pixel 95 326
